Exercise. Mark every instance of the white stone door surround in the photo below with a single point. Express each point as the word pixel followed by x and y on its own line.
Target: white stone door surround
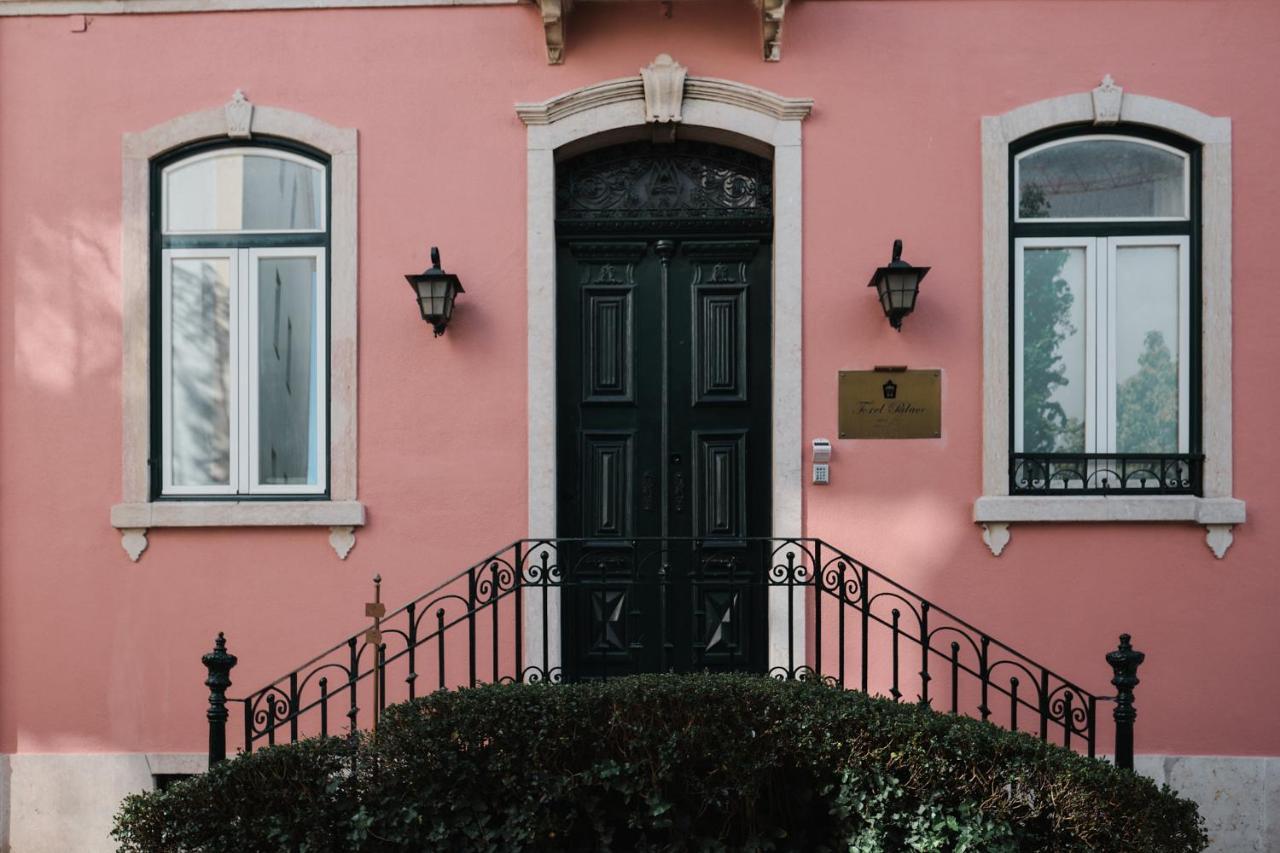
pixel 662 101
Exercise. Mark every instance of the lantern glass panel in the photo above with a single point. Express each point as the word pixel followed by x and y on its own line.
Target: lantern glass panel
pixel 439 290
pixel 446 302
pixel 902 289
pixel 882 289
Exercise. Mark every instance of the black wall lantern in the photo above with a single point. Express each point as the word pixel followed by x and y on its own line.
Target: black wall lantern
pixel 897 285
pixel 436 290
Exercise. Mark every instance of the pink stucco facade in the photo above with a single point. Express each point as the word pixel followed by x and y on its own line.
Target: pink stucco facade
pixel 99 654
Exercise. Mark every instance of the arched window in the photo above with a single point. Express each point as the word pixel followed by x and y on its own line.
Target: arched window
pixel 239 321
pixel 1105 355
pixel 1097 208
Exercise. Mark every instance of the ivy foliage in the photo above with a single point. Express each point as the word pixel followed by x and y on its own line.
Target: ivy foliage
pixel 664 763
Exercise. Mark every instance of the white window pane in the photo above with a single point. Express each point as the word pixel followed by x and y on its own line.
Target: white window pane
pixel 1146 348
pixel 200 376
pixel 244 192
pixel 1100 179
pixel 288 372
pixel 1053 350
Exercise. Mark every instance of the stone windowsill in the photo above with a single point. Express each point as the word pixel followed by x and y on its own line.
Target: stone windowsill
pixel 133 520
pixel 996 512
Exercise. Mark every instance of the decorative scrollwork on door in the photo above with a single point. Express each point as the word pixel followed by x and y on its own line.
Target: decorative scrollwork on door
pixel 615 188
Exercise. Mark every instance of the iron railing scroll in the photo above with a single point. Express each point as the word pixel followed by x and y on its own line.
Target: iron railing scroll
pixel 499 621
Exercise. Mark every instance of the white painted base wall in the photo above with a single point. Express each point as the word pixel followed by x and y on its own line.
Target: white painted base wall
pixel 61 803
pixel 1238 796
pixel 58 803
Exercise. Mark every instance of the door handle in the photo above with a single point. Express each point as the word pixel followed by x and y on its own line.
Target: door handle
pixel 648 485
pixel 677 490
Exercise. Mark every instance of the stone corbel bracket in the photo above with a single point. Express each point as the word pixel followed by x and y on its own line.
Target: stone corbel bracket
pixel 771 13
pixel 553 15
pixel 555 12
pixel 134 541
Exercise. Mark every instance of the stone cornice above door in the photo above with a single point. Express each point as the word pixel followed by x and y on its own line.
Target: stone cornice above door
pixel 668 87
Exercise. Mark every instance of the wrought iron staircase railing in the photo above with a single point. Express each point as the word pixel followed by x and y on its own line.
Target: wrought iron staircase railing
pixel 845 623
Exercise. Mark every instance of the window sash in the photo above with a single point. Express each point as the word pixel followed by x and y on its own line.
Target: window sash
pixel 1089 246
pixel 247 151
pixel 1108 255
pixel 253 458
pixel 168 486
pixel 1101 370
pixel 244 475
pixel 1069 140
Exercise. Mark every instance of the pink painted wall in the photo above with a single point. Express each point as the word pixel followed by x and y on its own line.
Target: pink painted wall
pixel 100 654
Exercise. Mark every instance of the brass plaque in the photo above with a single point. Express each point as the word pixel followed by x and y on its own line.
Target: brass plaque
pixel 890 403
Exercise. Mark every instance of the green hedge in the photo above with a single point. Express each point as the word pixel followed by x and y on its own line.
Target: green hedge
pixel 664 762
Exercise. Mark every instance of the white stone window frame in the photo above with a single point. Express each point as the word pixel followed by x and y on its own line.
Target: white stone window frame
pixel 651 105
pixel 1218 510
pixel 138 513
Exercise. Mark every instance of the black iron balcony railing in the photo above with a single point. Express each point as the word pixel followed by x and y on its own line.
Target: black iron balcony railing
pixel 1106 473
pixel 662 604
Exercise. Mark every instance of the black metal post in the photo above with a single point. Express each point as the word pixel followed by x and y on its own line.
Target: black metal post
pixel 219 663
pixel 1125 661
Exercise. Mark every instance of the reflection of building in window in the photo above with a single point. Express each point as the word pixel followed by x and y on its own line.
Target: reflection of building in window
pixel 284 403
pixel 1102 177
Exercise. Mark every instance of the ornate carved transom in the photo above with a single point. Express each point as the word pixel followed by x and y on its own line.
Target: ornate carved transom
pixel 641 185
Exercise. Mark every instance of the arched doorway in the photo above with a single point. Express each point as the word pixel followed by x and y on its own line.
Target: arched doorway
pixel 715 110
pixel 663 388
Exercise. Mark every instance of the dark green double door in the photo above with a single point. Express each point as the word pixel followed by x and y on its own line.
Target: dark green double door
pixel 663 390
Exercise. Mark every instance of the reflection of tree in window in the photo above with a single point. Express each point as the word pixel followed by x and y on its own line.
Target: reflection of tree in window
pixel 1046 324
pixel 1033 202
pixel 200 346
pixel 275 332
pixel 1147 402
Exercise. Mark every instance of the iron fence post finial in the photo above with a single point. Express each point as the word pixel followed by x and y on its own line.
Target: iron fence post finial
pixel 1125 661
pixel 219 663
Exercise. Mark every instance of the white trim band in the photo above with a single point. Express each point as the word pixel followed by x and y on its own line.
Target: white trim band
pixel 17 8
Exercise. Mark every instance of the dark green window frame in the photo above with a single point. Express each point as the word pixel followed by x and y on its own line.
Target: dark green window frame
pixel 158 242
pixel 1180 473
